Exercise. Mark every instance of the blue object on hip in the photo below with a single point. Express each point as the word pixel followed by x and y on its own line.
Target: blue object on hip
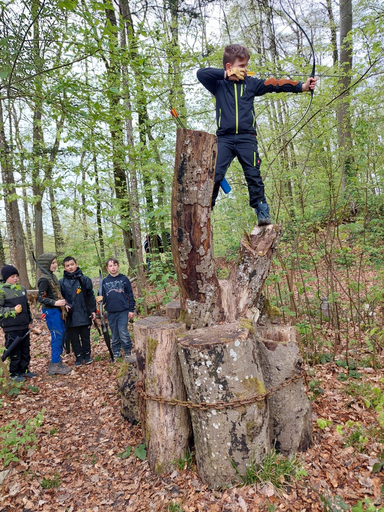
pixel 226 187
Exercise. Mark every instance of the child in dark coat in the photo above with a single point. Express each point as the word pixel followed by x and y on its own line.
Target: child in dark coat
pixel 16 320
pixel 52 306
pixel 77 290
pixel 120 305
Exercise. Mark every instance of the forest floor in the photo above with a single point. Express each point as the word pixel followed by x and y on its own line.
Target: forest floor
pixel 83 434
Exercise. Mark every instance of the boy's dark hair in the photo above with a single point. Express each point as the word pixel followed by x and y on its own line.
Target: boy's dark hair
pixel 113 260
pixel 233 52
pixel 69 258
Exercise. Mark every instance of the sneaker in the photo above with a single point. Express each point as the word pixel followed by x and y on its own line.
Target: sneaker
pixel 117 355
pixel 29 374
pixel 58 369
pixel 79 361
pixel 88 359
pixel 131 358
pixel 262 212
pixel 18 378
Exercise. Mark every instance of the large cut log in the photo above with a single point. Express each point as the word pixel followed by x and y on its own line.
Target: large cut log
pixel 168 427
pixel 220 363
pixel 290 410
pixel 192 250
pixel 140 330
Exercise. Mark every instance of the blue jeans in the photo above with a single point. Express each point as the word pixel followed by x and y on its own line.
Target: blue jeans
pixel 56 327
pixel 118 323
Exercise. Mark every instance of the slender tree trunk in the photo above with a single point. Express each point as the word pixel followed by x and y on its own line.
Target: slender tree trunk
pixel 98 209
pixel 343 111
pixel 14 226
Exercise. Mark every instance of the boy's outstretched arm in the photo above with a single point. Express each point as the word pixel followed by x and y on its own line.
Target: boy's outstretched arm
pixel 310 84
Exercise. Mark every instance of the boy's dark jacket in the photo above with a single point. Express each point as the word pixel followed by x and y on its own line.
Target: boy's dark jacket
pixel 47 283
pixel 77 290
pixel 234 100
pixel 11 296
pixel 117 293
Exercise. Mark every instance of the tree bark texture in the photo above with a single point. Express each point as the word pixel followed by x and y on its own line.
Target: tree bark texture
pixel 126 381
pixel 289 408
pixel 140 330
pixel 204 300
pixel 220 363
pixel 191 228
pixel 242 290
pixel 168 427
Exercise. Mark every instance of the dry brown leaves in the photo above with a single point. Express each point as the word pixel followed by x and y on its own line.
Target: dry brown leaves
pixel 83 433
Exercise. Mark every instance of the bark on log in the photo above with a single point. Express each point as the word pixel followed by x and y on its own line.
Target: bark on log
pixel 242 290
pixel 140 330
pixel 191 228
pixel 126 381
pixel 204 300
pixel 290 410
pixel 221 363
pixel 168 427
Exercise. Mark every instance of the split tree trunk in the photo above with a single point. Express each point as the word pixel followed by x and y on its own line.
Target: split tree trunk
pixel 220 363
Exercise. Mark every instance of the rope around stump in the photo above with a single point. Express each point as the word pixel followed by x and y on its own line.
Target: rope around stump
pixel 219 404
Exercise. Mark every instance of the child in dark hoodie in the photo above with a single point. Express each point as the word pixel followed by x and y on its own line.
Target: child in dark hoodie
pixel 16 319
pixel 53 306
pixel 77 290
pixel 120 305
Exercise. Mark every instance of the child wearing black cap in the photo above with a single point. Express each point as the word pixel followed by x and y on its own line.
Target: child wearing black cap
pixel 15 320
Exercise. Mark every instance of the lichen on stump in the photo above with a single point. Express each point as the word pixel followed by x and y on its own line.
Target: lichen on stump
pixel 290 409
pixel 220 363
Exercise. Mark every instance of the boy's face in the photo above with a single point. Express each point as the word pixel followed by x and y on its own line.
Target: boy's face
pixel 12 279
pixel 53 266
pixel 113 268
pixel 239 63
pixel 70 266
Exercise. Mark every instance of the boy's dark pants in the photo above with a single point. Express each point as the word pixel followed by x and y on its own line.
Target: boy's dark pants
pixel 244 147
pixel 21 357
pixel 80 338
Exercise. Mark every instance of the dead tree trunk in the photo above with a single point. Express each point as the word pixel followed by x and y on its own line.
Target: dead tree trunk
pixel 220 363
pixel 192 251
pixel 204 300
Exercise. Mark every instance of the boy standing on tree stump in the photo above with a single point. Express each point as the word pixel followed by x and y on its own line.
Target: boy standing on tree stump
pixel 235 92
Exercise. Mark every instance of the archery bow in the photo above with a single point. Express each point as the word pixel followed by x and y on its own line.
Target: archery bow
pixel 312 75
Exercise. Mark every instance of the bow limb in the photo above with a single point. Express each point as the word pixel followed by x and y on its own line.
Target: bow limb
pixel 312 75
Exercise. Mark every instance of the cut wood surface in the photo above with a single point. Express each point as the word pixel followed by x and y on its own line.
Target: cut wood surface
pixel 220 363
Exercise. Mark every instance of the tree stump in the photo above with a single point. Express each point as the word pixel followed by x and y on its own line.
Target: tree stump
pixel 290 410
pixel 173 310
pixel 192 251
pixel 140 330
pixel 166 428
pixel 126 381
pixel 220 363
pixel 204 300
